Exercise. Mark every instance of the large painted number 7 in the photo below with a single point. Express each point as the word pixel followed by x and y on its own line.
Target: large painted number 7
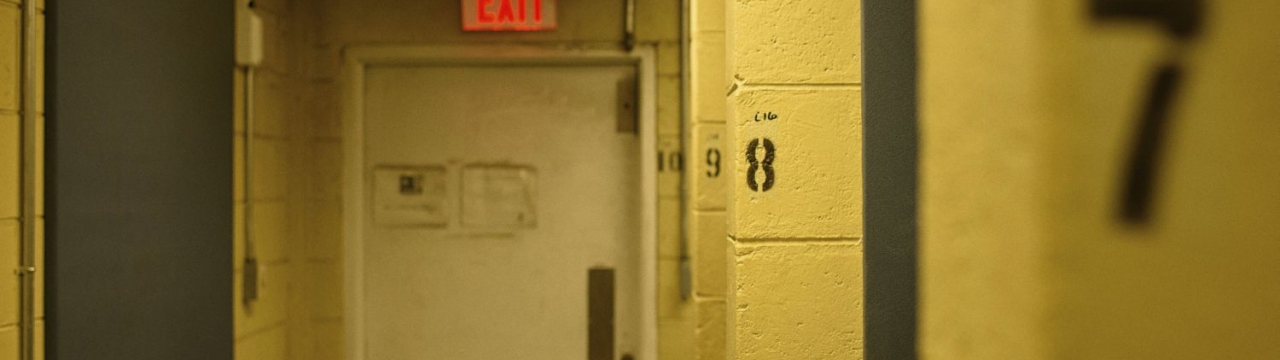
pixel 1182 20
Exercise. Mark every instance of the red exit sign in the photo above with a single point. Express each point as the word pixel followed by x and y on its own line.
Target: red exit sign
pixel 508 15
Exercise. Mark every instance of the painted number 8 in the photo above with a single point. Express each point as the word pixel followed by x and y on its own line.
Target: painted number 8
pixel 754 165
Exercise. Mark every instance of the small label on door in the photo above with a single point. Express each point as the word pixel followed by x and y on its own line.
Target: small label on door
pixel 499 196
pixel 411 196
pixel 411 184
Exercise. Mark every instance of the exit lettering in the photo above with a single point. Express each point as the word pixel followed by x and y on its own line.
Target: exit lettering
pixel 508 15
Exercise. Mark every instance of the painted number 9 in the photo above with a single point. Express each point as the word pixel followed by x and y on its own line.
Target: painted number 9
pixel 755 165
pixel 713 162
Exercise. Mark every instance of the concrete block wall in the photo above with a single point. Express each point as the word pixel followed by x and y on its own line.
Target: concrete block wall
pixel 1029 114
pixel 963 148
pixel 708 175
pixel 269 327
pixel 794 213
pixel 11 187
pixel 658 24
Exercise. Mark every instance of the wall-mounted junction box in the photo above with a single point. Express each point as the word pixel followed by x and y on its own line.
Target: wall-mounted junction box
pixel 248 35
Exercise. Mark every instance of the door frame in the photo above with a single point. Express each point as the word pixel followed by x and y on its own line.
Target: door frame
pixel 357 60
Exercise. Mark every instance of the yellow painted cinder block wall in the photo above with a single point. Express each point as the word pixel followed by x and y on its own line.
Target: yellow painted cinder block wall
pixel 273 326
pixel 1029 114
pixel 707 175
pixel 794 255
pixel 979 157
pixel 12 155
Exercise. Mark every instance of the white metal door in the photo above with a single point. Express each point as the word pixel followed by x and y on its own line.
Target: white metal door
pixel 491 192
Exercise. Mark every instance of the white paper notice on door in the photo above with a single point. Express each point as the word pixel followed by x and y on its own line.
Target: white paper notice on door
pixel 411 196
pixel 499 196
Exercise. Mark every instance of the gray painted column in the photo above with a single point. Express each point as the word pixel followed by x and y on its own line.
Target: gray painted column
pixel 139 179
pixel 890 148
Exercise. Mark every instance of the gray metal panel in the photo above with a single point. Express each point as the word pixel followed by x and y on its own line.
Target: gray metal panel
pixel 140 161
pixel 600 314
pixel 890 149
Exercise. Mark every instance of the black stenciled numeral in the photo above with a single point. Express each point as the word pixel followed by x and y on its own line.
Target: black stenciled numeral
pixel 767 165
pixel 713 161
pixel 1140 182
pixel 755 165
pixel 673 161
pixel 1182 19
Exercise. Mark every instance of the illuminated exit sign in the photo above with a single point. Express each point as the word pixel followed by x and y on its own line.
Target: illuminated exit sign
pixel 508 15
